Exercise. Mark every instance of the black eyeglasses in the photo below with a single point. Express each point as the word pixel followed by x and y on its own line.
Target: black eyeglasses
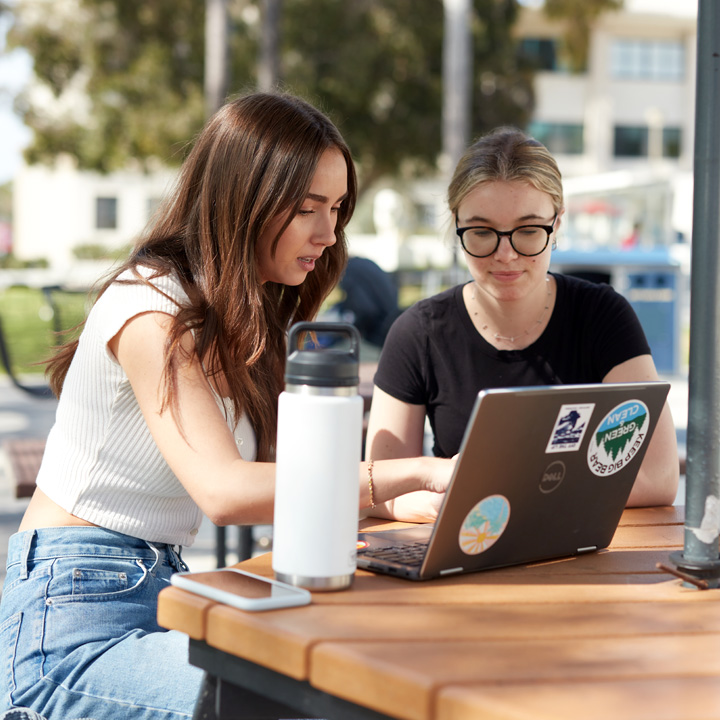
pixel 527 240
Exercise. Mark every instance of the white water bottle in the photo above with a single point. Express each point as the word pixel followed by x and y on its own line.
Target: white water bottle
pixel 319 441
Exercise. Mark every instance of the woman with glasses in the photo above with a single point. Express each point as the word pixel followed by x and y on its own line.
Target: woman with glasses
pixel 513 324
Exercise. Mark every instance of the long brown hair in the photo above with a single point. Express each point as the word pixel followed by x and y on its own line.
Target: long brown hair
pixel 254 161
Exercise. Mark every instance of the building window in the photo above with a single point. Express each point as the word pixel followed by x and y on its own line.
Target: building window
pixel 106 213
pixel 672 142
pixel 541 53
pixel 648 60
pixel 544 54
pixel 631 141
pixel 153 203
pixel 558 138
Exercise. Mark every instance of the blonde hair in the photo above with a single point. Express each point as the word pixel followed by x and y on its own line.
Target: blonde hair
pixel 506 154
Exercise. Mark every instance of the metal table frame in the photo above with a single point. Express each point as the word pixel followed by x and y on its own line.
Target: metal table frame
pixel 236 689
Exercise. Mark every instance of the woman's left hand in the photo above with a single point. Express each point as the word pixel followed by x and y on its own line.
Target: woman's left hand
pixel 423 506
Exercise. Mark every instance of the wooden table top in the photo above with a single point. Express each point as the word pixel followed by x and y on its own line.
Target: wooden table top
pixel 604 635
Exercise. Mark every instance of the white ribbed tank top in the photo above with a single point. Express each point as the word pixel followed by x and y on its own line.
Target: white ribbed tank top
pixel 101 463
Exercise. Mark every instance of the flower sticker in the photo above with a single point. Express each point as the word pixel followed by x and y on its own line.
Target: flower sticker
pixel 484 524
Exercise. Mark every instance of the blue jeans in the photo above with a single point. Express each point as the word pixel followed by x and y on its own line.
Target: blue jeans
pixel 78 628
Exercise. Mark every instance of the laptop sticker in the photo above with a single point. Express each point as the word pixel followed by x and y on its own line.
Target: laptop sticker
pixel 618 438
pixel 569 428
pixel 484 524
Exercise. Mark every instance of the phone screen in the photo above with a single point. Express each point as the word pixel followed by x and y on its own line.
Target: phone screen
pixel 244 585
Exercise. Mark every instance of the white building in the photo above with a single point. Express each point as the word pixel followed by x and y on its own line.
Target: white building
pixel 59 211
pixel 623 130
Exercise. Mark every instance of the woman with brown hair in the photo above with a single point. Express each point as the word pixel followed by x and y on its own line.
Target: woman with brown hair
pixel 168 410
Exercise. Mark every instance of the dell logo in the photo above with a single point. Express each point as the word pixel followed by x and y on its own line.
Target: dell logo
pixel 552 477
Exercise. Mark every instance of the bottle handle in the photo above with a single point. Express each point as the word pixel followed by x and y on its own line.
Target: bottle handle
pixel 340 328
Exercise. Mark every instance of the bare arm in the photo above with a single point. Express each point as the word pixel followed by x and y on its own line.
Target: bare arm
pixel 657 481
pixel 202 451
pixel 396 430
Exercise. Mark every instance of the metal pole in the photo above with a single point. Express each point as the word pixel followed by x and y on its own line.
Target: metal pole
pixel 457 76
pixel 216 82
pixel 702 494
pixel 269 61
pixel 457 90
pixel 216 51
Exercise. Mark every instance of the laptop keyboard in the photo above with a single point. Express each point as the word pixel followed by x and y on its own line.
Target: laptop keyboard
pixel 410 554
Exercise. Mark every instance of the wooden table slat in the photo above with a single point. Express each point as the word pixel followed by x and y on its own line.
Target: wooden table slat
pixel 180 610
pixel 363 672
pixel 282 639
pixel 625 575
pixel 656 699
pixel 322 623
pixel 649 536
pixel 284 649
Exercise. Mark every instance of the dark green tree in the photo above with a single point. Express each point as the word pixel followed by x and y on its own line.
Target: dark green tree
pixel 503 83
pixel 128 74
pixel 134 72
pixel 376 67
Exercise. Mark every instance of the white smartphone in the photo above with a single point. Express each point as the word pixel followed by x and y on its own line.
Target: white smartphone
pixel 241 589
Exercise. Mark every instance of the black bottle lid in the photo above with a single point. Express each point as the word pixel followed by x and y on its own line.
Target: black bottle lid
pixel 331 358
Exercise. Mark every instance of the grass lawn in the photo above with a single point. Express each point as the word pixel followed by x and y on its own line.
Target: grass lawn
pixel 29 322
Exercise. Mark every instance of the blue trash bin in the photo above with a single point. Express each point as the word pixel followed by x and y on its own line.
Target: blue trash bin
pixel 650 279
pixel 653 295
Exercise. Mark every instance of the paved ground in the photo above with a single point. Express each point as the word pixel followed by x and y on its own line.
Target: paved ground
pixel 24 416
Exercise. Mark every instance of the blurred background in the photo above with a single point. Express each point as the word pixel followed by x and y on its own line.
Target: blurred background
pixel 100 101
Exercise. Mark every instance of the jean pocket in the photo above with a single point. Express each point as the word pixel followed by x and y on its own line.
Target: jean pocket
pixel 98 579
pixel 9 637
pixel 98 582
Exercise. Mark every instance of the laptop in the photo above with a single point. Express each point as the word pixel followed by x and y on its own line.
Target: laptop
pixel 543 472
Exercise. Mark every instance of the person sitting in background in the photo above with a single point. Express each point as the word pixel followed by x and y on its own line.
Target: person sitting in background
pixel 371 299
pixel 168 411
pixel 513 324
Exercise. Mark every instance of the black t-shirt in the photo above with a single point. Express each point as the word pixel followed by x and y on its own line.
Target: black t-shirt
pixel 434 355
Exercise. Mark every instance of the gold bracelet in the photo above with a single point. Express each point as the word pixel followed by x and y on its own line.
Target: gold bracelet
pixel 370 483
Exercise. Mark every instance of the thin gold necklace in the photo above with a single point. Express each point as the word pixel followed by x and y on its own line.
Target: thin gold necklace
pixel 514 338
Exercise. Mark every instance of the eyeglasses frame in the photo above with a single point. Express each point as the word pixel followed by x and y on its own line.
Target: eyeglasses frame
pixel 549 229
